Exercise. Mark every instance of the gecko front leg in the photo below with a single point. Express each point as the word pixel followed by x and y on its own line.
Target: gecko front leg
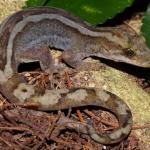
pixel 38 53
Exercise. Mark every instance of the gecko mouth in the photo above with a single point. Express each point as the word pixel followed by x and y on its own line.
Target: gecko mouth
pixel 143 61
pixel 146 65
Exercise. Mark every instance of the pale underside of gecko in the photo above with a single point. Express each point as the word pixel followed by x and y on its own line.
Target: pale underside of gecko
pixel 26 36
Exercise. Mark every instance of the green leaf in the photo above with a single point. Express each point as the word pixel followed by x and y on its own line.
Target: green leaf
pixel 32 3
pixel 146 26
pixel 93 11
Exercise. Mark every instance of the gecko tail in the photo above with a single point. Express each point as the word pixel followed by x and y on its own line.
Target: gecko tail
pixel 77 97
pixel 58 99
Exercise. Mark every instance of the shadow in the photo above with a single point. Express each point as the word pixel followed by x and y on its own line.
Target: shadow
pixel 31 66
pixel 136 71
pixel 128 13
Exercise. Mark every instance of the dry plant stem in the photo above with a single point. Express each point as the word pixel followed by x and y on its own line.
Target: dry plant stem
pixel 8 118
pixel 80 116
pixel 69 82
pixel 53 125
pixel 100 119
pixel 12 144
pixel 69 112
pixel 58 140
pixel 15 128
pixel 136 127
pixel 23 146
pixel 18 128
pixel 37 146
pixel 6 142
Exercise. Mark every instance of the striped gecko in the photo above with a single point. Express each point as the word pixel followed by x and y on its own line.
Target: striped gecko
pixel 26 37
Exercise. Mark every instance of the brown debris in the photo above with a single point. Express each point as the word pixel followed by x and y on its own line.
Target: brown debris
pixel 22 128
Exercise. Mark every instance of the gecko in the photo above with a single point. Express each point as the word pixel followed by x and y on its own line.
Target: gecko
pixel 27 35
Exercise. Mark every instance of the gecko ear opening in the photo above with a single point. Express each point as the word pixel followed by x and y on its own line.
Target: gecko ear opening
pixel 30 66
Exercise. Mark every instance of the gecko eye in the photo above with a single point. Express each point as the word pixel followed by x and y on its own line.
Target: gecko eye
pixel 129 52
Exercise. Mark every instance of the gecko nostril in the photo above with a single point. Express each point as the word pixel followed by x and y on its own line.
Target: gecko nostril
pixel 129 52
pixel 24 90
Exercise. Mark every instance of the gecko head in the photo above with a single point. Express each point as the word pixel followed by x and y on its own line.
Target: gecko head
pixel 133 47
pixel 135 51
pixel 138 57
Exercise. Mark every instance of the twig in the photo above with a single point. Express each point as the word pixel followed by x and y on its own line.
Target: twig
pixel 80 116
pixel 100 119
pixel 135 127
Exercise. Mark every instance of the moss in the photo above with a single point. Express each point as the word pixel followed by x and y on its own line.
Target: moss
pixel 10 6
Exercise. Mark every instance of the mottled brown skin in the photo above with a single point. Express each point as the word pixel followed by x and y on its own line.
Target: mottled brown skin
pixel 25 37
